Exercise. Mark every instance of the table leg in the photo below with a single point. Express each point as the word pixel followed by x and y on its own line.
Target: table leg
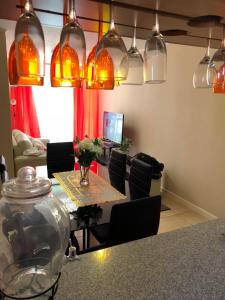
pixel 88 237
pixel 84 238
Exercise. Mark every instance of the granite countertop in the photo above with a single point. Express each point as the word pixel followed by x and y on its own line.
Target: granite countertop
pixel 183 264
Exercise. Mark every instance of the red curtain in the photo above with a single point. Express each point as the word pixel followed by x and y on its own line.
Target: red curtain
pixel 23 112
pixel 86 115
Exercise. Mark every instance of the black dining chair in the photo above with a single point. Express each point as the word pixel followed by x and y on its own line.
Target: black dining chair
pixel 129 221
pixel 117 170
pixel 60 157
pixel 140 179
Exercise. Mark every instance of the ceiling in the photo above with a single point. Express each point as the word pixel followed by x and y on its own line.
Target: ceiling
pixel 173 14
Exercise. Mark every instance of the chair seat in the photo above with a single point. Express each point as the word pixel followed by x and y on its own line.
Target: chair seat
pixel 101 232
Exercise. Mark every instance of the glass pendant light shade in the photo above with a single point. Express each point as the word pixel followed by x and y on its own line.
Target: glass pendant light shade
pixel 30 44
pixel 111 53
pixel 14 79
pixel 206 71
pixel 105 66
pixel 155 57
pixel 55 72
pixel 72 48
pixel 219 60
pixel 136 65
pixel 204 74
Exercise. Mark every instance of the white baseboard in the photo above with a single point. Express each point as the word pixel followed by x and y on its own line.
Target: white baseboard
pixel 190 205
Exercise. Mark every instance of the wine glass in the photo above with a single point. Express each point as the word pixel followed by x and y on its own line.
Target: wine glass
pixel 155 56
pixel 136 64
pixel 111 49
pixel 206 71
pixel 72 48
pixel 29 44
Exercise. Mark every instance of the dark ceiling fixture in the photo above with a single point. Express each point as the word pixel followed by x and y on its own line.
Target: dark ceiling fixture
pixel 205 21
pixel 174 32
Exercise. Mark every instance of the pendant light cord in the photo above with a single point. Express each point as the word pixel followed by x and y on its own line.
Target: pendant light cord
pixel 72 12
pixel 135 30
pixel 28 6
pixel 112 24
pixel 209 42
pixel 156 26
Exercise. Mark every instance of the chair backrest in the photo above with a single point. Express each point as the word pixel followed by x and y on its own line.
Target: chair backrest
pixel 3 169
pixel 134 220
pixel 117 170
pixel 140 179
pixel 60 157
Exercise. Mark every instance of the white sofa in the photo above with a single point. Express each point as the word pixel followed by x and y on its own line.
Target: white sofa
pixel 28 151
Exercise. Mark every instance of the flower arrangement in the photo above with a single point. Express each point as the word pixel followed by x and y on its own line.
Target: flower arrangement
pixel 87 150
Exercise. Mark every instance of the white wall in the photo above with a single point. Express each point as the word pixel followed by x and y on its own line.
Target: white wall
pixel 181 126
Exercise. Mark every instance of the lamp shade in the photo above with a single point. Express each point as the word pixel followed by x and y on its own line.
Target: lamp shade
pixel 102 75
pixel 29 44
pixel 155 59
pixel 55 72
pixel 204 74
pixel 72 48
pixel 136 65
pixel 105 66
pixel 14 79
pixel 219 80
pixel 111 50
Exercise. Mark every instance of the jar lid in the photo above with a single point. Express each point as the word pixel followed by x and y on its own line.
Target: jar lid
pixel 26 185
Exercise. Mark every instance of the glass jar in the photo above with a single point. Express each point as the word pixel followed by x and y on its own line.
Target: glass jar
pixel 34 234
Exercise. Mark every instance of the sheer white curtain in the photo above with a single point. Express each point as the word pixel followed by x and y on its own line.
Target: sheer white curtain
pixel 54 110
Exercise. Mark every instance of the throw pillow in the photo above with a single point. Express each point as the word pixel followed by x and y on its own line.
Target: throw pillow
pixel 23 141
pixel 33 152
pixel 38 144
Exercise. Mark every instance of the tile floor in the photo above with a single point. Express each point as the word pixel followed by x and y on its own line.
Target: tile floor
pixel 178 216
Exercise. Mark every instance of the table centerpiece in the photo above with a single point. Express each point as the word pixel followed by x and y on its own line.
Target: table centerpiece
pixel 86 151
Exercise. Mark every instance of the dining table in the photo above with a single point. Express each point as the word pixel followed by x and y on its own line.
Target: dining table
pixel 66 186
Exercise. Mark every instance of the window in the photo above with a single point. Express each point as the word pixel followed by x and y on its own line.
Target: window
pixel 54 110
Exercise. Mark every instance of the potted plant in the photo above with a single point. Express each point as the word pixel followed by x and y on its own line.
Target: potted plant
pixel 125 145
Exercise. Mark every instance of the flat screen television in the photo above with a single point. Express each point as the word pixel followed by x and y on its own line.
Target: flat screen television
pixel 113 127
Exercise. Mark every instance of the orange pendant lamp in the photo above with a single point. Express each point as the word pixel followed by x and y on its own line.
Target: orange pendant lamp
pixel 55 69
pixel 105 66
pixel 55 72
pixel 219 81
pixel 219 60
pixel 29 47
pixel 14 79
pixel 72 48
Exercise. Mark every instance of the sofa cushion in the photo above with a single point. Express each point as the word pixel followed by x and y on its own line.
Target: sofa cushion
pixel 37 143
pixel 22 140
pixel 16 149
pixel 34 151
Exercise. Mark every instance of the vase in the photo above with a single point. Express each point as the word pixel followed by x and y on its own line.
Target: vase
pixel 84 175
